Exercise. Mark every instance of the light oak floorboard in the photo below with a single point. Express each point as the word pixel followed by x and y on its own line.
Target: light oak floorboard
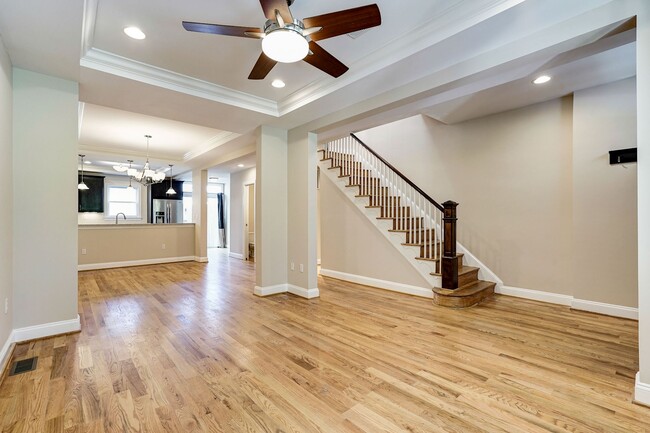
pixel 187 347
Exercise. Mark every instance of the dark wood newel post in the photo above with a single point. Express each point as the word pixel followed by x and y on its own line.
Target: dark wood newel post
pixel 449 260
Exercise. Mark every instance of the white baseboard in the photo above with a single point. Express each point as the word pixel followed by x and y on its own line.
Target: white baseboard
pixel 46 330
pixel 607 309
pixel 236 256
pixel 287 288
pixel 128 263
pixel 381 284
pixel 641 391
pixel 535 295
pixel 4 352
pixel 270 290
pixel 302 292
pixel 570 301
pixel 318 262
pixel 199 259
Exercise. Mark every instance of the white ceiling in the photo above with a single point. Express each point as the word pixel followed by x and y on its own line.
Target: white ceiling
pixel 451 59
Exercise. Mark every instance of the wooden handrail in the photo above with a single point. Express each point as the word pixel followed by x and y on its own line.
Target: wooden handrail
pixel 448 262
pixel 399 173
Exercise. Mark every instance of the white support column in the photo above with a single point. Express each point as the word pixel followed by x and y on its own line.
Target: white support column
pixel 200 214
pixel 302 162
pixel 642 388
pixel 271 211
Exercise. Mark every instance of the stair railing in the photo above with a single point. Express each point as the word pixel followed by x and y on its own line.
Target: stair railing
pixel 427 224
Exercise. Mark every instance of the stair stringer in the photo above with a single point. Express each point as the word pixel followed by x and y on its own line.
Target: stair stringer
pixel 423 267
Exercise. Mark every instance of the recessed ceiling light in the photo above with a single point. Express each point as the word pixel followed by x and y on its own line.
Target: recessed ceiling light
pixel 278 84
pixel 134 32
pixel 542 79
pixel 240 165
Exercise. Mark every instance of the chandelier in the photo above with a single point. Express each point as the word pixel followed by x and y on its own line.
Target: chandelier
pixel 146 176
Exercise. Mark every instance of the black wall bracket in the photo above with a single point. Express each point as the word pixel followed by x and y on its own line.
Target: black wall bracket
pixel 622 156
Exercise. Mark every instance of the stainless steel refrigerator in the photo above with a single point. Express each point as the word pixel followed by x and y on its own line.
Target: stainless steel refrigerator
pixel 167 211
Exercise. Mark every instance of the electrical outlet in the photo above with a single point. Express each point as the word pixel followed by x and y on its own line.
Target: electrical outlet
pixel 164 247
pixel 293 266
pixel 6 305
pixel 83 251
pixel 302 268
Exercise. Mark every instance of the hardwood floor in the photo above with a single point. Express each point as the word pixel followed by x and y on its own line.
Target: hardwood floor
pixel 188 348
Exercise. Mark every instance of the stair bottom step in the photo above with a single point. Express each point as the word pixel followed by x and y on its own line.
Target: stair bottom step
pixel 465 296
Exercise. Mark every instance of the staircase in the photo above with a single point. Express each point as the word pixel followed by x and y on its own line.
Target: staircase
pixel 421 229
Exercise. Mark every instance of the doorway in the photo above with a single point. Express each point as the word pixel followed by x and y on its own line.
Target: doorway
pixel 249 221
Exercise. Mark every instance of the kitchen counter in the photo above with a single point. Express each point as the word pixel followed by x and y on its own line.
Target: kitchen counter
pixel 131 225
pixel 104 246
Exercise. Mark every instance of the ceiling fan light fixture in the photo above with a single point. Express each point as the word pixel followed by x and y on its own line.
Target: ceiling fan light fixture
pixel 285 45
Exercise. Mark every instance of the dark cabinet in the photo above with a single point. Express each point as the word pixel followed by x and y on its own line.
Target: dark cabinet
pixel 159 190
pixel 91 199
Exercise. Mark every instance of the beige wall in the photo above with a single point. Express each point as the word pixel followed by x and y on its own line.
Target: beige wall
pixel 302 207
pixel 519 176
pixel 101 218
pixel 6 196
pixel 271 206
pixel 112 244
pixel 44 198
pixel 238 181
pixel 511 174
pixel 200 213
pixel 350 244
pixel 604 196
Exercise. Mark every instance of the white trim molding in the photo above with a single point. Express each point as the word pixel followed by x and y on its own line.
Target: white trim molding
pixel 287 288
pixel 129 263
pixel 6 351
pixel 302 292
pixel 535 295
pixel 380 284
pixel 641 391
pixel 113 64
pixel 607 309
pixel 270 290
pixel 236 255
pixel 570 301
pixel 197 259
pixel 47 330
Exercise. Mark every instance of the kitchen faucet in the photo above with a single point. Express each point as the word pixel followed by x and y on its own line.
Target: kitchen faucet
pixel 120 213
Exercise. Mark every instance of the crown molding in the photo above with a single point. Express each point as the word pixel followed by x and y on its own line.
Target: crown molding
pixel 113 64
pixel 88 25
pixel 123 153
pixel 212 143
pixel 452 20
pixel 455 18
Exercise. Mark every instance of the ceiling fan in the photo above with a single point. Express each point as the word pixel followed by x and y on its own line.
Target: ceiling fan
pixel 287 40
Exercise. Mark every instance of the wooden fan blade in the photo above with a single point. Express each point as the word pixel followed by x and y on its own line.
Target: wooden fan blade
pixel 262 68
pixel 217 29
pixel 343 22
pixel 270 6
pixel 325 61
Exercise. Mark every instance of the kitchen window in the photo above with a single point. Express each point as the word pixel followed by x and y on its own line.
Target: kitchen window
pixel 122 199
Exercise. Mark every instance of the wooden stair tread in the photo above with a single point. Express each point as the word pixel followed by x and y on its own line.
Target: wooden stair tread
pixel 436 260
pixel 466 290
pixel 465 296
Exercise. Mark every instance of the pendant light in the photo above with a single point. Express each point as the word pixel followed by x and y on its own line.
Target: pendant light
pixel 147 176
pixel 171 191
pixel 130 187
pixel 82 186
